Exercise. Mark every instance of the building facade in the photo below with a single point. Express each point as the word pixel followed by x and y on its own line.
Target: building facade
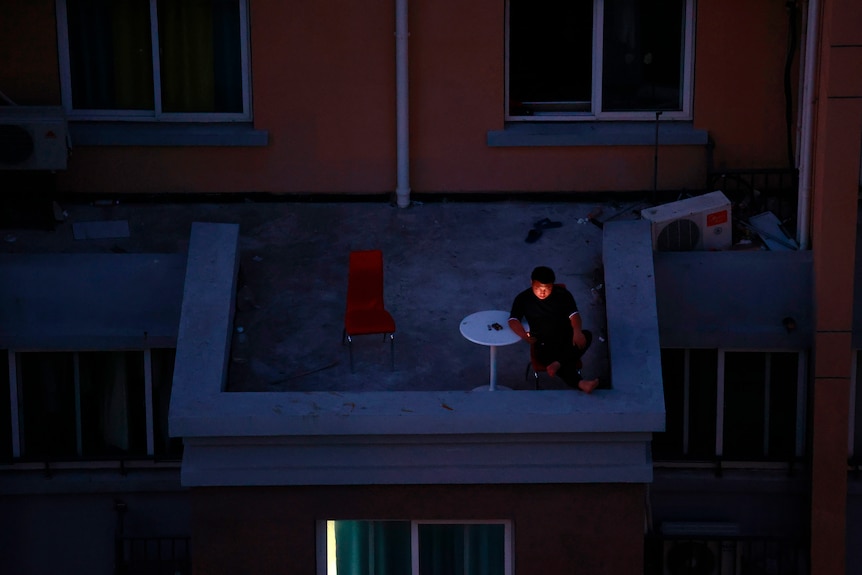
pixel 750 395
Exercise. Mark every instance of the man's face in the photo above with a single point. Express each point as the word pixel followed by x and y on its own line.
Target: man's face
pixel 541 290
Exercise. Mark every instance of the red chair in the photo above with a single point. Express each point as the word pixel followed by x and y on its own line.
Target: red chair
pixel 365 313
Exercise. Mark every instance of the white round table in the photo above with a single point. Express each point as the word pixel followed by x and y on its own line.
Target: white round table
pixel 491 328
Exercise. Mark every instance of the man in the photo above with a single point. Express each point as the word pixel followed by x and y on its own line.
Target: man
pixel 555 328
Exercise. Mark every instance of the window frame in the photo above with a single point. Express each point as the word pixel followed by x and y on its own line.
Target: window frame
pixel 595 113
pixel 323 538
pixel 854 422
pixel 151 417
pixel 801 407
pixel 156 115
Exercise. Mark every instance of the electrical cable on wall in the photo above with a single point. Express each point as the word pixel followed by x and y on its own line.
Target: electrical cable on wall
pixel 791 6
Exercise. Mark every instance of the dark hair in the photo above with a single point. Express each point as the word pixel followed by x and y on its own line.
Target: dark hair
pixel 543 275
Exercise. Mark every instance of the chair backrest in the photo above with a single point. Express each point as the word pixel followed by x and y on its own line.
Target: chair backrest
pixel 365 280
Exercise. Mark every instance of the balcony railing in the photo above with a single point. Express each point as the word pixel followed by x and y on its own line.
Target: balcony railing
pixel 725 555
pixel 152 556
pixel 756 191
pixel 122 465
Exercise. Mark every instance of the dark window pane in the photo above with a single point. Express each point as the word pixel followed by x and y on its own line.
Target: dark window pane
pixel 668 444
pixel 456 548
pixel 550 55
pixel 702 402
pixel 857 410
pixel 48 421
pixel 856 456
pixel 441 549
pixel 642 65
pixel 744 404
pixel 166 447
pixel 112 404
pixel 782 405
pixel 200 55
pixel 110 54
pixel 5 408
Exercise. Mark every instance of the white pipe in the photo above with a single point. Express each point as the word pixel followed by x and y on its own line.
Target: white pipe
pixel 402 192
pixel 806 136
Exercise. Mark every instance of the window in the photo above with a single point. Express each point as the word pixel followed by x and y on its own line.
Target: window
pixel 607 59
pixel 66 406
pixel 5 411
pixel 855 421
pixel 415 548
pixel 166 60
pixel 732 405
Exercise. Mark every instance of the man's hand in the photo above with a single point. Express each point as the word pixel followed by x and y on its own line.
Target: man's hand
pixel 579 339
pixel 519 330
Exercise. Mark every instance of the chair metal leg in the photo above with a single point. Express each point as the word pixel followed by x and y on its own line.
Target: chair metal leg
pixel 345 338
pixel 350 351
pixel 535 373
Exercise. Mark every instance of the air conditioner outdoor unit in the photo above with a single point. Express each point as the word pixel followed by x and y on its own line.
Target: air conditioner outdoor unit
pixel 702 557
pixel 698 223
pixel 706 548
pixel 33 138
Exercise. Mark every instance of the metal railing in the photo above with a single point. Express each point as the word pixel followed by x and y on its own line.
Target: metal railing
pixel 725 555
pixel 152 556
pixel 756 191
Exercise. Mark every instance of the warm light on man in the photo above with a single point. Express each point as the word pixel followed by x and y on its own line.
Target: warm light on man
pixel 556 331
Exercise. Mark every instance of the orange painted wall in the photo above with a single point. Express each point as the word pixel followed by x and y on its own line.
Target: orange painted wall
pixel 29 73
pixel 739 91
pixel 324 88
pixel 596 529
pixel 834 208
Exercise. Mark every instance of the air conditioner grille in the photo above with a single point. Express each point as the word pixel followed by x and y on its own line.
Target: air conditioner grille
pixel 33 138
pixel 16 144
pixel 690 558
pixel 678 236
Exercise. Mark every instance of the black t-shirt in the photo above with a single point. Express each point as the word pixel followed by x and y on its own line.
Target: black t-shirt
pixel 548 318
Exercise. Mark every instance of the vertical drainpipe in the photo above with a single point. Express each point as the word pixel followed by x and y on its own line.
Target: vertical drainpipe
pixel 402 192
pixel 806 136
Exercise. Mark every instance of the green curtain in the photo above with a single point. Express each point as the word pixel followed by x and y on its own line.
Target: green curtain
pixel 110 54
pixel 200 55
pixel 642 60
pixel 384 548
pixel 111 60
pixel 372 547
pixel 476 549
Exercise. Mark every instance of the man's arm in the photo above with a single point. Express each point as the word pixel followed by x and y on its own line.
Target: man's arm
pixel 578 337
pixel 516 326
pixel 515 319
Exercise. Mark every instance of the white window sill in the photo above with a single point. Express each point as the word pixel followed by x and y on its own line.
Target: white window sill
pixel 165 134
pixel 596 134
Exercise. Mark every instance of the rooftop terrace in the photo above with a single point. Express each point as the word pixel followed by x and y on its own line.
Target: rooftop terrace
pixel 132 276
pixel 280 271
pixel 442 261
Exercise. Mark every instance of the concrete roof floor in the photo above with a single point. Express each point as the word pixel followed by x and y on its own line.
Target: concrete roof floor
pixel 443 261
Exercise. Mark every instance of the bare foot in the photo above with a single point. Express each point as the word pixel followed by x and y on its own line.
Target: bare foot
pixel 553 368
pixel 588 385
